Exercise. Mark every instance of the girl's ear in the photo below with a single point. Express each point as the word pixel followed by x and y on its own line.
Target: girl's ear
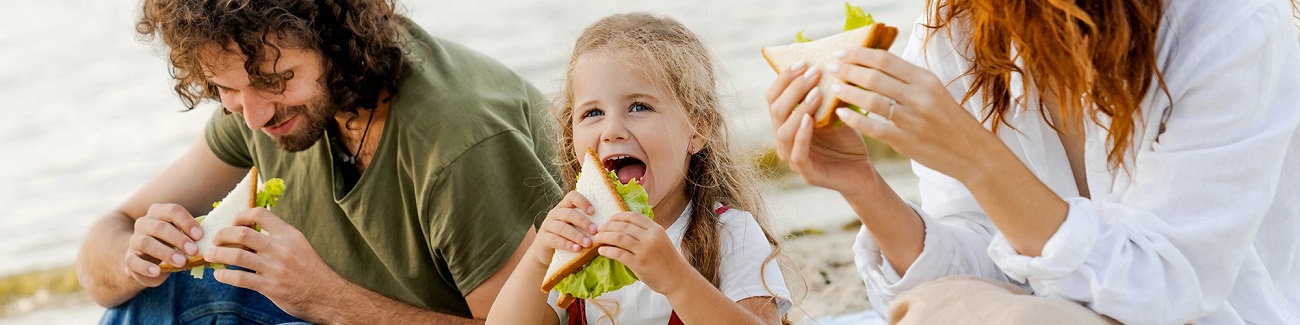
pixel 696 144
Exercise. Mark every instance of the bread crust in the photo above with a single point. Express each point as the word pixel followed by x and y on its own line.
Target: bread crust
pixel 880 36
pixel 587 254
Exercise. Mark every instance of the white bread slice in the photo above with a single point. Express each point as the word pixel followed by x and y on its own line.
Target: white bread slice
pixel 817 54
pixel 243 197
pixel 595 185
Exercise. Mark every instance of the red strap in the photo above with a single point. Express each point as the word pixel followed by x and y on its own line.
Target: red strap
pixel 578 314
pixel 721 209
pixel 674 320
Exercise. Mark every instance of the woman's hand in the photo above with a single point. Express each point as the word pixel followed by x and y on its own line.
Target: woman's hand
pixel 643 245
pixel 834 158
pixel 928 125
pixel 566 227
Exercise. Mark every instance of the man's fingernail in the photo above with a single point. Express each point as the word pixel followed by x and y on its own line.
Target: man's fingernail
pixel 833 67
pixel 840 54
pixel 191 249
pixel 196 232
pixel 836 88
pixel 798 65
pixel 809 73
pixel 179 259
pixel 844 113
pixel 154 270
pixel 806 122
pixel 814 92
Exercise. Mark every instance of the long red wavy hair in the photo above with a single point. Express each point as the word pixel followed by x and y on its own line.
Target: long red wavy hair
pixel 1109 74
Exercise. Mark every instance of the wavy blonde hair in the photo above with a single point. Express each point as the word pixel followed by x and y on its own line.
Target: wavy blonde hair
pixel 677 57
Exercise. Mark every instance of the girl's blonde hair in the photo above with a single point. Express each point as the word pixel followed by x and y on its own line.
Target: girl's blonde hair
pixel 674 56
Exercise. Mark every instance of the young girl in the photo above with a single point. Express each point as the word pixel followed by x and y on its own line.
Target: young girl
pixel 1124 160
pixel 643 87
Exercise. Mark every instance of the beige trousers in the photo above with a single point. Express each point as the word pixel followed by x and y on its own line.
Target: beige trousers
pixel 973 300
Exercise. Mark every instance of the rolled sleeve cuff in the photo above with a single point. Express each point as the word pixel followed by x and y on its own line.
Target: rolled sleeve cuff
pixel 934 262
pixel 1064 252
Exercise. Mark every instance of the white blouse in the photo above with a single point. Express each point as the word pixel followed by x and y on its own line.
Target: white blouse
pixel 1202 227
pixel 743 274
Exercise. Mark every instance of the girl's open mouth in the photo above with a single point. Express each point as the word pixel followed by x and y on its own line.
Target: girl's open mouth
pixel 626 167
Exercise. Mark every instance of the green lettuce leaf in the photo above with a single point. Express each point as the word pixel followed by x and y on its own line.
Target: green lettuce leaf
pixel 855 18
pixel 603 274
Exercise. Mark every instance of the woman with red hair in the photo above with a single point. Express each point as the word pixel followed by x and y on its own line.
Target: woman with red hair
pixel 1080 161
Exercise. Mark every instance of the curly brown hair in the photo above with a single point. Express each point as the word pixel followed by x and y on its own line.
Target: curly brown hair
pixel 358 39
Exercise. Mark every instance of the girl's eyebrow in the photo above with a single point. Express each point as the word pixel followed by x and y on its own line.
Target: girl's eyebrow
pixel 642 96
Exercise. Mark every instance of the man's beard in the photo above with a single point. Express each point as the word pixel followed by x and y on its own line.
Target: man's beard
pixel 309 129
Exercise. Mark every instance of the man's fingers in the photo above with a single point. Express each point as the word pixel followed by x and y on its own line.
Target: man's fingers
pixel 166 233
pixel 239 278
pixel 262 218
pixel 153 248
pixel 235 256
pixel 141 267
pixel 783 80
pixel 243 236
pixel 178 216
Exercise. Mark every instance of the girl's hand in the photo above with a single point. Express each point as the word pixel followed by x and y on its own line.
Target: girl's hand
pixel 566 227
pixel 643 245
pixel 834 158
pixel 928 126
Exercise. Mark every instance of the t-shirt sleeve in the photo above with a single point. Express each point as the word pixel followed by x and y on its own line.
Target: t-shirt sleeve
pixel 483 203
pixel 227 137
pixel 746 271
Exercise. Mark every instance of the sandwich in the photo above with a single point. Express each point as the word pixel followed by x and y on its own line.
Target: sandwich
pixel 585 274
pixel 246 195
pixel 860 30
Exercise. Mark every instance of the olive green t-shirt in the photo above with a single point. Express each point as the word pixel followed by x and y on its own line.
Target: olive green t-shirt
pixel 463 168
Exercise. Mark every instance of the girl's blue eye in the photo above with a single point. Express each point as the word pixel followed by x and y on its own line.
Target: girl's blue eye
pixel 639 106
pixel 592 113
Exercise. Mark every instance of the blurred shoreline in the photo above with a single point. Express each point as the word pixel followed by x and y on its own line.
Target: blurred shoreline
pixel 95 117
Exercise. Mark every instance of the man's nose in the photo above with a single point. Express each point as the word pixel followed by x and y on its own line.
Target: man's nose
pixel 257 109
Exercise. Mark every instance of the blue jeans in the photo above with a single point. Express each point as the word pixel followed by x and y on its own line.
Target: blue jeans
pixel 182 299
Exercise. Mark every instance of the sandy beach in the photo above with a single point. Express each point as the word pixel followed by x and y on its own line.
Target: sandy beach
pixel 93 118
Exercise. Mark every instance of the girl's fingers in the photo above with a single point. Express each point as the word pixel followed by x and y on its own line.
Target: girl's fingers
pixel 570 238
pixel 883 131
pixel 575 200
pixel 784 106
pixel 618 254
pixel 618 239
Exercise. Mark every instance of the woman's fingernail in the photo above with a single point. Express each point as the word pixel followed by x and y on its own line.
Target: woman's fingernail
pixel 833 67
pixel 840 54
pixel 809 73
pixel 806 122
pixel 798 65
pixel 836 88
pixel 811 93
pixel 191 249
pixel 196 232
pixel 180 260
pixel 843 113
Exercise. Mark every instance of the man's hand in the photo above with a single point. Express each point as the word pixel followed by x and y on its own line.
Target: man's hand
pixel 288 270
pixel 156 237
